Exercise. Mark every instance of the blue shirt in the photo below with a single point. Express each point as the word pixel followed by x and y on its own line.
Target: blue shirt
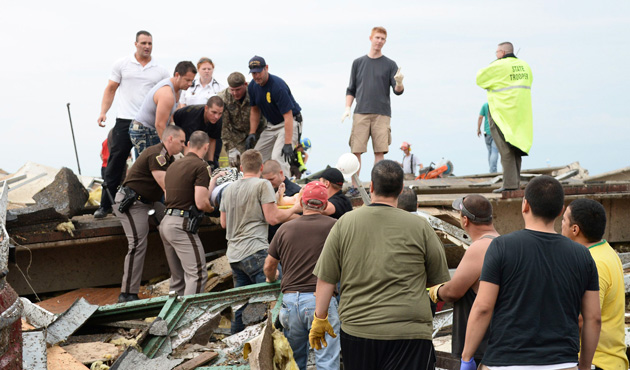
pixel 484 113
pixel 274 99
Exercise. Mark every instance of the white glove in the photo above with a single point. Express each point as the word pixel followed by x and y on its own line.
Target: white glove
pixel 399 77
pixel 346 114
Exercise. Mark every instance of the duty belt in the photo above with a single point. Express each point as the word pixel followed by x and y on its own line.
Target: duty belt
pixel 177 212
pixel 139 197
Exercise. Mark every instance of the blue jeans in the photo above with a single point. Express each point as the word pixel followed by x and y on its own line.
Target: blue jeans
pixel 247 272
pixel 296 317
pixel 493 153
pixel 142 137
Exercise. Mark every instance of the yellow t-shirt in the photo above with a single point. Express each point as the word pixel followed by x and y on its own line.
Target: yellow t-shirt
pixel 611 349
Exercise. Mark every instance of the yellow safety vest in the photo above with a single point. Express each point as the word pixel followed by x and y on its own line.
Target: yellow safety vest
pixel 509 82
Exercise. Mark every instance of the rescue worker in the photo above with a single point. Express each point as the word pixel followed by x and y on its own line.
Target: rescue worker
pixel 509 81
pixel 142 191
pixel 187 197
pixel 236 118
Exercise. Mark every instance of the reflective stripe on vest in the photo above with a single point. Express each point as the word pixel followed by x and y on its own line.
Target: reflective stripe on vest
pixel 512 87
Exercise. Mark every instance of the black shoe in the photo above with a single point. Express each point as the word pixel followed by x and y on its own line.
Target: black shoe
pixel 501 190
pixel 127 297
pixel 102 212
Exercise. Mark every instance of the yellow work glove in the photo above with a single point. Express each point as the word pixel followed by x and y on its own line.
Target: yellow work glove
pixel 433 293
pixel 317 336
pixel 398 77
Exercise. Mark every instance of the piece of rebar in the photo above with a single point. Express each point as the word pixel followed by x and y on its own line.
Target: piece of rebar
pixel 76 153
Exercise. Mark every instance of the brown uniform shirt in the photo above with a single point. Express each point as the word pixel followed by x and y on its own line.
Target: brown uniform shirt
pixel 181 179
pixel 297 245
pixel 140 179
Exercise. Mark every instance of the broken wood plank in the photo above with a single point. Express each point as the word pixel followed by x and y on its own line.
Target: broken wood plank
pixel 87 353
pixel 59 359
pixel 202 359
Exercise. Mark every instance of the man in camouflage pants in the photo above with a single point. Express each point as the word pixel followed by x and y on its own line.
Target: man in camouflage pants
pixel 236 117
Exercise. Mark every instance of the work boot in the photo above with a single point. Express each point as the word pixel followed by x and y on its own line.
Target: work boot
pixel 127 297
pixel 102 212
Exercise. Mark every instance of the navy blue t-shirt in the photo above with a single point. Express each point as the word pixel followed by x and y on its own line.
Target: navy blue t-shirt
pixel 274 99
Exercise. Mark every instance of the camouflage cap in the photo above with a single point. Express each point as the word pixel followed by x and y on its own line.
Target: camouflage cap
pixel 236 79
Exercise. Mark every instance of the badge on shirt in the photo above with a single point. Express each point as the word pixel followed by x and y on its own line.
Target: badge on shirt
pixel 161 159
pixel 209 170
pixel 269 97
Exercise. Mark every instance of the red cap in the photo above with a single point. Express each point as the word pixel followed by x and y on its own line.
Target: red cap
pixel 405 145
pixel 315 190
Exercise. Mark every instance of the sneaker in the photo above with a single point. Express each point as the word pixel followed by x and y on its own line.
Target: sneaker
pixel 102 212
pixel 127 297
pixel 353 193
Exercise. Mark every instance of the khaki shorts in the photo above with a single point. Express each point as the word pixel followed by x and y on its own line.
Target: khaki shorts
pixel 374 125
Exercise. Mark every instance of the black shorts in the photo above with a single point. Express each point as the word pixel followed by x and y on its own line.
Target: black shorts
pixel 365 354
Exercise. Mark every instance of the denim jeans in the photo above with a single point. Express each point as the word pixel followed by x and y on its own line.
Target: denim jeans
pixel 493 153
pixel 142 137
pixel 296 316
pixel 247 272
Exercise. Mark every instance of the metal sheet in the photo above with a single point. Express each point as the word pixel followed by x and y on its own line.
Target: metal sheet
pixel 441 320
pixel 34 350
pixel 132 359
pixel 69 321
pixel 35 315
pixel 451 230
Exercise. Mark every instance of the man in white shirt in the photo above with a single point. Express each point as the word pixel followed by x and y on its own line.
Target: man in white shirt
pixel 133 76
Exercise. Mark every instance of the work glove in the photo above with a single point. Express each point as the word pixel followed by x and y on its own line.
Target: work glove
pixel 433 293
pixel 287 152
pixel 250 142
pixel 317 335
pixel 399 77
pixel 468 365
pixel 346 114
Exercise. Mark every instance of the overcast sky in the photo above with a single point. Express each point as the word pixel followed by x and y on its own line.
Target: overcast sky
pixel 60 52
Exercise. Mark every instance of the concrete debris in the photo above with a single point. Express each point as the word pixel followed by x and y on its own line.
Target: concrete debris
pixel 66 194
pixel 254 313
pixel 88 353
pixel 158 327
pixel 132 359
pixel 35 315
pixel 34 350
pixel 69 321
pixel 259 351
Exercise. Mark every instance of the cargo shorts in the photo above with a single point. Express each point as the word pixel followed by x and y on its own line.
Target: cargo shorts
pixel 375 125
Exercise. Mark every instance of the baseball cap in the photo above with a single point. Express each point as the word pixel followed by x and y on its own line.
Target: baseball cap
pixel 458 205
pixel 315 190
pixel 333 175
pixel 236 79
pixel 256 64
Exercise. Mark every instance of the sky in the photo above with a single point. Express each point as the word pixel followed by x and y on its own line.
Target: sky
pixel 56 53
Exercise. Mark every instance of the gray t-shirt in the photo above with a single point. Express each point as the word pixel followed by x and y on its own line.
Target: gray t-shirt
pixel 246 227
pixel 146 114
pixel 370 80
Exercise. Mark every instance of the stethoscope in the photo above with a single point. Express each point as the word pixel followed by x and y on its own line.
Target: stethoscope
pixel 196 85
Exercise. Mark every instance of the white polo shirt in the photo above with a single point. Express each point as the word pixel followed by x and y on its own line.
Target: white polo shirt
pixel 135 82
pixel 199 94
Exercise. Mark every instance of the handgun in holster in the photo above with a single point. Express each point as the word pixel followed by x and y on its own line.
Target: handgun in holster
pixel 195 216
pixel 128 200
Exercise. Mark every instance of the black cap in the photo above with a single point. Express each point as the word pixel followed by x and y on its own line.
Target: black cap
pixel 256 64
pixel 333 175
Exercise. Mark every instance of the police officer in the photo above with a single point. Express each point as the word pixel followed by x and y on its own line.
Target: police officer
pixel 187 197
pixel 508 81
pixel 206 118
pixel 142 191
pixel 236 117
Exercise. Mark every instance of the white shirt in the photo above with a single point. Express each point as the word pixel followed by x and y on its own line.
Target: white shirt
pixel 198 94
pixel 135 82
pixel 409 164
